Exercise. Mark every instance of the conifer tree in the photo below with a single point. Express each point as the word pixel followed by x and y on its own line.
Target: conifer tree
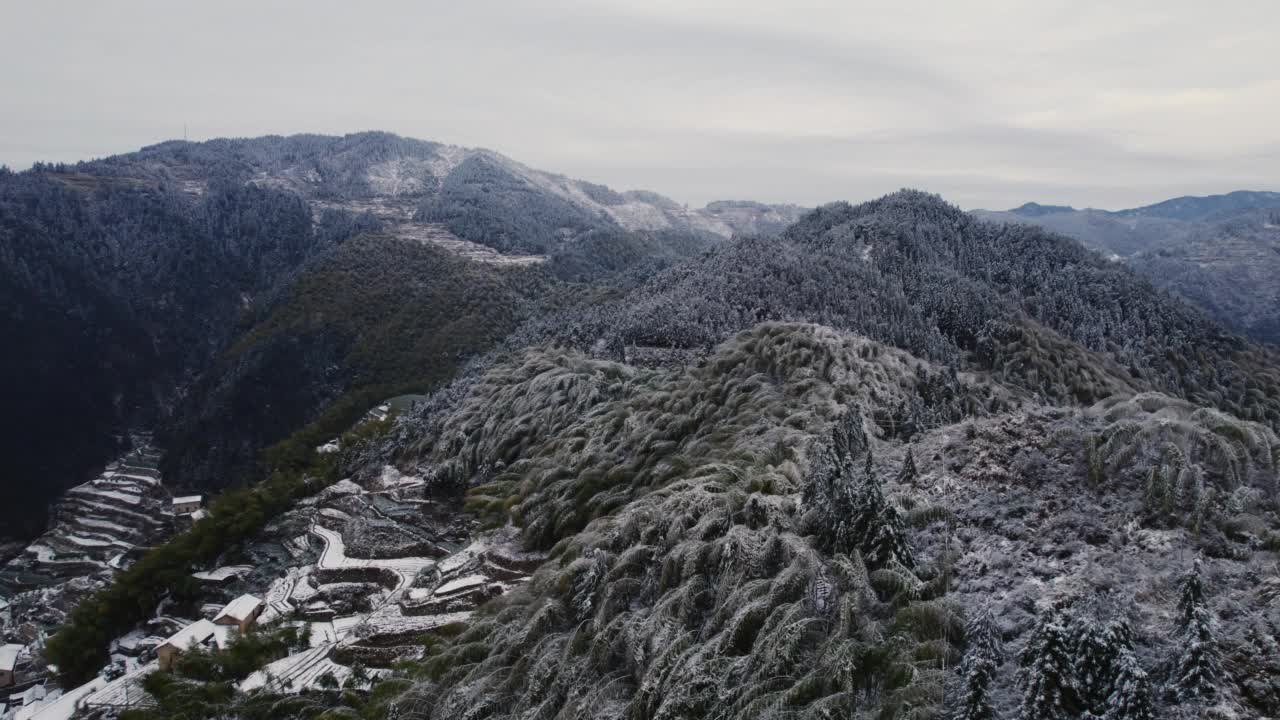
pixel 1196 669
pixel 878 528
pixel 1048 689
pixel 1095 655
pixel 908 474
pixel 978 669
pixel 1131 698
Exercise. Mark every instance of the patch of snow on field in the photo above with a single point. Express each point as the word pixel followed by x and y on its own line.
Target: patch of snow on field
pixel 446 159
pixel 335 557
pixel 461 583
pixel 401 176
pixel 637 215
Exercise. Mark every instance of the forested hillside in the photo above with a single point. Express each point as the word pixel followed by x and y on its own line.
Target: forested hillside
pixel 116 292
pixel 627 460
pixel 1220 253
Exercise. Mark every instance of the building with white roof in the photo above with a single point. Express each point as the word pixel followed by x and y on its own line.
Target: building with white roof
pixel 187 504
pixel 8 663
pixel 241 612
pixel 199 634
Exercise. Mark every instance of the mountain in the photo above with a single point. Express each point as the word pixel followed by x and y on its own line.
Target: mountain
pixel 1192 208
pixel 508 445
pixel 159 289
pixel 1220 253
pixel 859 467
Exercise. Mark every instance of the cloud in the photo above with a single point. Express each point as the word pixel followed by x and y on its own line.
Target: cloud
pixel 989 102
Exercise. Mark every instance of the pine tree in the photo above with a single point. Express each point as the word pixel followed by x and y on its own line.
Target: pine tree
pixel 908 474
pixel 878 529
pixel 1095 655
pixel 1158 497
pixel 1131 699
pixel 1048 690
pixel 1196 669
pixel 848 439
pixel 978 669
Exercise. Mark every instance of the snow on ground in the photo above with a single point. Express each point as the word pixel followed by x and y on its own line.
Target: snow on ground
pixel 467 554
pixel 62 707
pixel 89 542
pixel 389 621
pixel 223 573
pixel 103 524
pixel 125 691
pixel 149 480
pixel 335 557
pixel 302 671
pixel 461 583
pixel 125 497
pixel 393 479
pixel 343 625
pixel 636 215
pixel 277 596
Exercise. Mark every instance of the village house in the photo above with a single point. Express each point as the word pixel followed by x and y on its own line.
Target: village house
pixel 240 612
pixel 199 634
pixel 187 504
pixel 8 663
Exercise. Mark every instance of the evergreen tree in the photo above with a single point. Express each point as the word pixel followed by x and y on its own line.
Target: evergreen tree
pixel 1131 699
pixel 908 474
pixel 1048 690
pixel 1158 494
pixel 1095 655
pixel 978 669
pixel 878 529
pixel 848 439
pixel 1196 669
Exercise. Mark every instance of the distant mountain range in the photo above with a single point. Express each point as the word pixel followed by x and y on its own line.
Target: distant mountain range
pixel 1220 253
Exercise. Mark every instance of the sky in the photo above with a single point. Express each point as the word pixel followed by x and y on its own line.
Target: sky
pixel 990 103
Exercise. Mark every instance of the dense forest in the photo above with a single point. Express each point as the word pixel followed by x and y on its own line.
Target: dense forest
pixel 1220 253
pixel 119 292
pixel 887 460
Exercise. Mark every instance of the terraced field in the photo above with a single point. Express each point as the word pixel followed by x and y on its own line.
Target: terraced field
pixel 370 611
pixel 97 526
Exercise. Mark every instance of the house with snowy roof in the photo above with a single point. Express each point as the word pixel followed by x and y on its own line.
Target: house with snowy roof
pixel 241 612
pixel 199 634
pixel 187 504
pixel 8 663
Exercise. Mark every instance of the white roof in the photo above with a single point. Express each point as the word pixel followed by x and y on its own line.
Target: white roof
pixel 187 499
pixel 239 609
pixel 61 708
pixel 223 573
pixel 9 656
pixel 196 633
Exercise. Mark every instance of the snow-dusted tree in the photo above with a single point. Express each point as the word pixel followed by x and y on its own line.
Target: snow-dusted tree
pixel 1097 649
pixel 1131 697
pixel 878 527
pixel 1048 689
pixel 848 439
pixel 981 658
pixel 1158 497
pixel 1196 669
pixel 908 474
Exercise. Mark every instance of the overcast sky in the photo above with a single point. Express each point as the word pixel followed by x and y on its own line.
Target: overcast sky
pixel 987 102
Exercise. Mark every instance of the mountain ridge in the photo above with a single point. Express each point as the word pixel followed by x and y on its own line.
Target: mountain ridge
pixel 1220 253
